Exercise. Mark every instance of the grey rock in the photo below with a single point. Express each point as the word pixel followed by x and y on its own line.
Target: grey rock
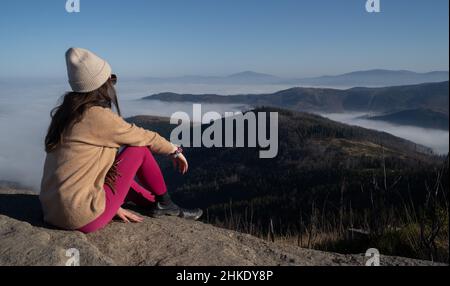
pixel 26 240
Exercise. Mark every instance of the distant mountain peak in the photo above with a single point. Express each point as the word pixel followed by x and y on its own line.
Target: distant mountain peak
pixel 374 78
pixel 391 71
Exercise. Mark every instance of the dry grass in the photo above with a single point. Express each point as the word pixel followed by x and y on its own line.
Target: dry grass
pixel 412 230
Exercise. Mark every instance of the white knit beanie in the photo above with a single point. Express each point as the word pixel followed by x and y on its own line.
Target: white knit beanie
pixel 86 71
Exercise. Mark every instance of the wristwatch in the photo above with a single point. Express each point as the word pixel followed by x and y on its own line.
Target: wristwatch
pixel 177 152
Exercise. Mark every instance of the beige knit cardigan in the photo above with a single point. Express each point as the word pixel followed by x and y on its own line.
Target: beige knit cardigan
pixel 72 192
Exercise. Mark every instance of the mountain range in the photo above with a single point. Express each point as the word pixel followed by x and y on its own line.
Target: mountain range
pixel 374 78
pixel 414 102
pixel 368 78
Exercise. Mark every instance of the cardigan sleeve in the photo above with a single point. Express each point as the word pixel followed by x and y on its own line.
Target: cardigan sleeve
pixel 111 130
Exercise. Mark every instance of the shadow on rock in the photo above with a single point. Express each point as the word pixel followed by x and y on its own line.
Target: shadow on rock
pixel 23 207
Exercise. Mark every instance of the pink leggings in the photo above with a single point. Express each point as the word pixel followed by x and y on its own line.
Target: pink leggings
pixel 132 162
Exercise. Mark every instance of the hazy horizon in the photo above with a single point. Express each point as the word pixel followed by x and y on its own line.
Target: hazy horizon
pixel 24 114
pixel 63 77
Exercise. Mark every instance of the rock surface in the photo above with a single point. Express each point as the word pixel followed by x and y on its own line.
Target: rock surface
pixel 26 240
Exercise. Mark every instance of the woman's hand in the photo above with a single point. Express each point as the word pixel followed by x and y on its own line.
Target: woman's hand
pixel 180 163
pixel 128 216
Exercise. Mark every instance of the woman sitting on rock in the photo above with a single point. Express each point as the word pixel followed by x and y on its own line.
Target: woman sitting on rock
pixel 86 180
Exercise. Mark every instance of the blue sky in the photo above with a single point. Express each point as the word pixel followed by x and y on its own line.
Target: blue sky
pixel 216 37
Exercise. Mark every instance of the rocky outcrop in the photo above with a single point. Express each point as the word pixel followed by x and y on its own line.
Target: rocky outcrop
pixel 26 240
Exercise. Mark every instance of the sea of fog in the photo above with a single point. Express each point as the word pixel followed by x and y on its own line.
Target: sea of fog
pixel 436 139
pixel 25 108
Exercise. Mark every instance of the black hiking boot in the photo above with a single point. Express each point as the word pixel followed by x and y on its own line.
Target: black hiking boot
pixel 174 210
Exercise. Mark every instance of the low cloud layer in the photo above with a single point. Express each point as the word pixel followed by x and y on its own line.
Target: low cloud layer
pixel 433 138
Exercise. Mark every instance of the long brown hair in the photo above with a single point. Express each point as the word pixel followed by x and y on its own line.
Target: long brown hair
pixel 71 111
